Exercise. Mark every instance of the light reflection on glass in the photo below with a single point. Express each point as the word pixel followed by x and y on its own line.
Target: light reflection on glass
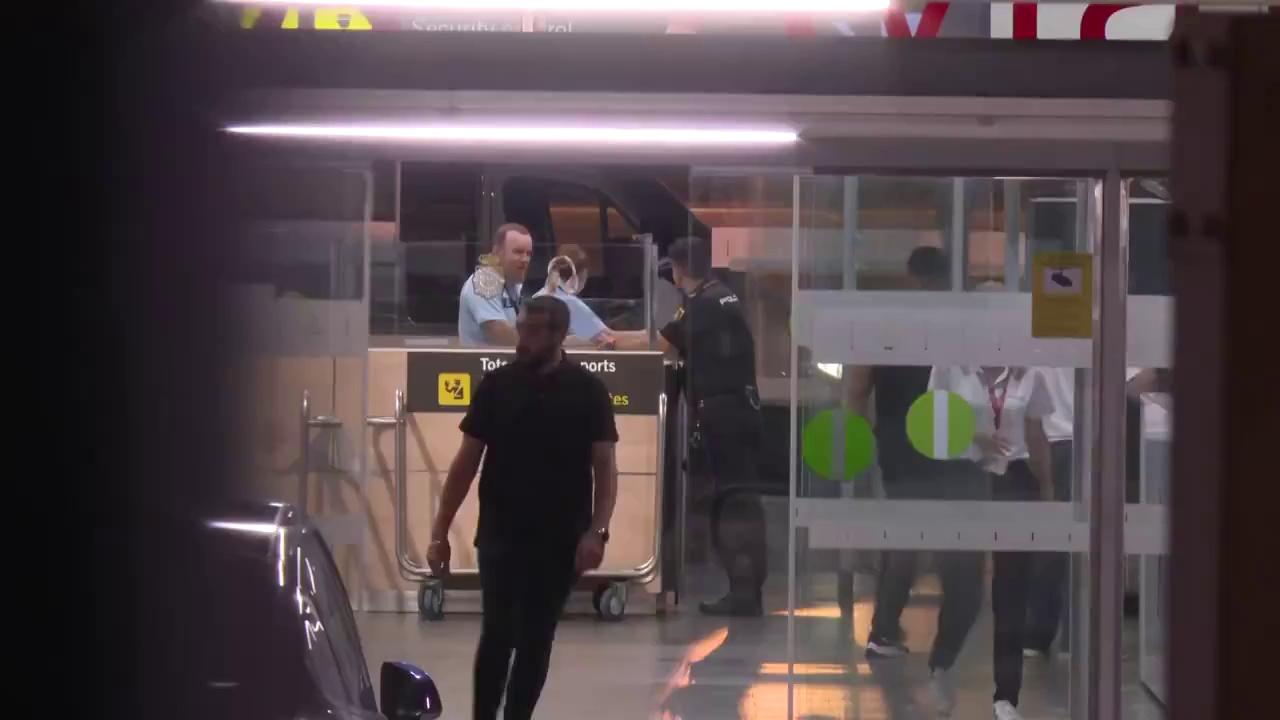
pixel 682 677
pixel 253 528
pixel 280 560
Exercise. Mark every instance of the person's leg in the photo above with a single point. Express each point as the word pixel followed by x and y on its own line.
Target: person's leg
pixel 894 581
pixel 1010 586
pixel 738 529
pixel 1049 570
pixel 548 583
pixel 500 599
pixel 1010 581
pixel 893 589
pixel 961 575
pixel 730 436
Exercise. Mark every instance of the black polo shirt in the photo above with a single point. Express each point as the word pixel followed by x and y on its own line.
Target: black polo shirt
pixel 538 429
pixel 712 336
pixel 896 389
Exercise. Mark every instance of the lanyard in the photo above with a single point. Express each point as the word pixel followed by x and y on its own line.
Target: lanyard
pixel 997 403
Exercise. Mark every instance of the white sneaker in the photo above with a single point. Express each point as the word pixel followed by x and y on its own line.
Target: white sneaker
pixel 944 692
pixel 885 650
pixel 1004 711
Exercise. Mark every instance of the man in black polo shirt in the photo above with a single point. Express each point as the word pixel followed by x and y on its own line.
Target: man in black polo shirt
pixel 908 475
pixel 545 428
pixel 711 335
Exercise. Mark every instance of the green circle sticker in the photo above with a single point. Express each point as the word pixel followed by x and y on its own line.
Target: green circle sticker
pixel 820 443
pixel 940 425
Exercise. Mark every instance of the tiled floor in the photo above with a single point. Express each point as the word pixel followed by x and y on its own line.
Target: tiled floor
pixel 694 668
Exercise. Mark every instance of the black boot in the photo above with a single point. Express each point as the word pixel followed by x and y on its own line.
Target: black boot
pixel 734 604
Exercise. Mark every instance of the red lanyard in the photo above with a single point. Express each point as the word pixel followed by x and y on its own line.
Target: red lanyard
pixel 997 403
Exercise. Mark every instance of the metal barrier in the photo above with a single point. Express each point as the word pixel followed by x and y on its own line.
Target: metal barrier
pixel 609 599
pixel 304 465
pixel 408 568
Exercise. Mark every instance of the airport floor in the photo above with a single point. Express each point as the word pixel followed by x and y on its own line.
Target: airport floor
pixel 694 668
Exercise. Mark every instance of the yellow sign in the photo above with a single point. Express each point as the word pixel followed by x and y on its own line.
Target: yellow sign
pixel 327 18
pixel 454 390
pixel 1062 295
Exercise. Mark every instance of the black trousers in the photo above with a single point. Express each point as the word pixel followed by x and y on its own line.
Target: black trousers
pixel 959 571
pixel 1011 588
pixel 1049 571
pixel 729 438
pixel 523 591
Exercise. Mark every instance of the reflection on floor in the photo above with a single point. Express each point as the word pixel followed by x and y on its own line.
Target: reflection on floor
pixel 693 668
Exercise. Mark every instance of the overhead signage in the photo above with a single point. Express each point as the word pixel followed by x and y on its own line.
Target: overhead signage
pixel 1010 20
pixel 445 380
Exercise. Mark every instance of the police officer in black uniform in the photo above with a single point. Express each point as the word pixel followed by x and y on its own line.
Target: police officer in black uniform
pixel 710 333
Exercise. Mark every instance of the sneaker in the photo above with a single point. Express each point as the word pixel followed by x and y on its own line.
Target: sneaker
pixel 944 692
pixel 1004 711
pixel 1034 653
pixel 879 648
pixel 732 606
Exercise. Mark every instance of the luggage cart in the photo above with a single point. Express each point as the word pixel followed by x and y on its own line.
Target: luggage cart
pixel 611 585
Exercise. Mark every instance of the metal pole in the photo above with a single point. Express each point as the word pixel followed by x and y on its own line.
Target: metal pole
pixel 958 251
pixel 650 285
pixel 793 450
pixel 304 460
pixel 682 492
pixel 1106 529
pixel 1088 228
pixel 401 257
pixel 409 568
pixel 850 234
pixel 1013 234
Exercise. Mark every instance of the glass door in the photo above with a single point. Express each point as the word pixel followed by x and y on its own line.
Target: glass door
pixel 1148 442
pixel 303 292
pixel 940 523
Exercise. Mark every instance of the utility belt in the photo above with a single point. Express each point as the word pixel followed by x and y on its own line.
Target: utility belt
pixel 749 394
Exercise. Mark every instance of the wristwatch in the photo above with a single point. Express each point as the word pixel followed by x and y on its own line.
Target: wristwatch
pixel 603 533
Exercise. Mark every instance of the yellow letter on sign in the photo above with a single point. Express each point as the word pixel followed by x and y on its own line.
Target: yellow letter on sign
pixel 249 17
pixel 341 19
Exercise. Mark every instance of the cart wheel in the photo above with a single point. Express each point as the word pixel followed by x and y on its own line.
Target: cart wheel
pixel 610 601
pixel 431 600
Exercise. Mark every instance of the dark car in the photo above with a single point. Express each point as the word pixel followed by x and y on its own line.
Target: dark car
pixel 282 641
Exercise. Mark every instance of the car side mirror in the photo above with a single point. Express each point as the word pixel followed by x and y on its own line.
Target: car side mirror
pixel 409 693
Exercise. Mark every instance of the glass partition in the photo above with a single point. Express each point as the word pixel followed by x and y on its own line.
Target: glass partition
pixel 302 292
pixel 936 500
pixel 918 484
pixel 417 288
pixel 1148 444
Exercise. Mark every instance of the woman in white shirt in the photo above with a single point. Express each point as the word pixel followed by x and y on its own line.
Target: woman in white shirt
pixel 1010 444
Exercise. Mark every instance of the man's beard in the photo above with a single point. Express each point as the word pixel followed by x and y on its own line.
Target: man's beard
pixel 527 357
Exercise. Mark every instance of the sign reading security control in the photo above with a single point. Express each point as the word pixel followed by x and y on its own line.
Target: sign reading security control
pixel 445 380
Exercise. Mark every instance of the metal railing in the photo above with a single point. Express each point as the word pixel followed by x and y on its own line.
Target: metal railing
pixel 306 425
pixel 411 571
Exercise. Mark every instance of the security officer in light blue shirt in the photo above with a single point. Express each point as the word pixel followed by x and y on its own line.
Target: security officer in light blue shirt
pixel 490 298
pixel 566 276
